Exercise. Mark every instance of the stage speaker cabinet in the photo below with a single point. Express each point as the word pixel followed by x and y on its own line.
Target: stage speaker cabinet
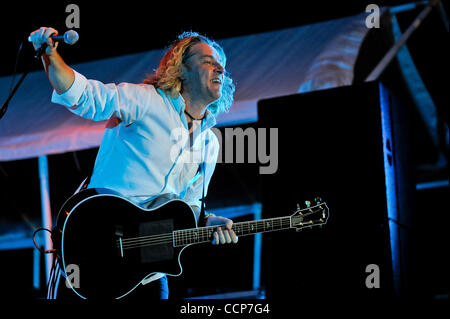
pixel 330 146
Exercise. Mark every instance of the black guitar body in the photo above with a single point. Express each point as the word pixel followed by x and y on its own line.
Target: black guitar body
pixel 89 232
pixel 108 245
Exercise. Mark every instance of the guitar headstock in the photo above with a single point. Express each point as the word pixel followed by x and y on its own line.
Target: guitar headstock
pixel 314 214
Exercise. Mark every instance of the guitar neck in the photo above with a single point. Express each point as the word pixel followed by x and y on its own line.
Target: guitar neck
pixel 204 234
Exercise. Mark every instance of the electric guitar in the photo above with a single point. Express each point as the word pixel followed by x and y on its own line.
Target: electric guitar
pixel 117 245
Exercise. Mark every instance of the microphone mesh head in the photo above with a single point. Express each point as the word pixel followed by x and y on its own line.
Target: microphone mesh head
pixel 70 37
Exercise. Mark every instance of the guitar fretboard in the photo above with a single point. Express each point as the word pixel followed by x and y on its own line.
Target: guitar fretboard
pixel 204 234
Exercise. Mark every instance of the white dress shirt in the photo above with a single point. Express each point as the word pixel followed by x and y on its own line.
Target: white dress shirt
pixel 145 150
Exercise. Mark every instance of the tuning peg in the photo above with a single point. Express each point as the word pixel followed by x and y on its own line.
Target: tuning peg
pixel 308 203
pixel 298 206
pixel 318 200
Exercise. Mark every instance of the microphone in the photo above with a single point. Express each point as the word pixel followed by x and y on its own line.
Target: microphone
pixel 70 37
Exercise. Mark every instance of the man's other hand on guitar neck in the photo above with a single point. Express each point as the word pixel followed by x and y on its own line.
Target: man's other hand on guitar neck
pixel 224 233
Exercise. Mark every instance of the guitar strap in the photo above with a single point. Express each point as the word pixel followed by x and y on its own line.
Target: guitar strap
pixel 201 218
pixel 88 179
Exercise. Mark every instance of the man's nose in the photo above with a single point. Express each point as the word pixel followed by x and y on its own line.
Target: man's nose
pixel 219 69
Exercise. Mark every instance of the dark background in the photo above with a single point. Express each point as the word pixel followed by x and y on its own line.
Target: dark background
pixel 110 29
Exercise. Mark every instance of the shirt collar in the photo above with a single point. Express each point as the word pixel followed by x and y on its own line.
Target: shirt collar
pixel 179 104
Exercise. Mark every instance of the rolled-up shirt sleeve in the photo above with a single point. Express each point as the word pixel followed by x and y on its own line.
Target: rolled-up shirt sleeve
pixel 73 94
pixel 97 101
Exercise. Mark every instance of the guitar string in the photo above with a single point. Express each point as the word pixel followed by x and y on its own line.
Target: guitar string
pixel 180 240
pixel 188 236
pixel 192 232
pixel 210 227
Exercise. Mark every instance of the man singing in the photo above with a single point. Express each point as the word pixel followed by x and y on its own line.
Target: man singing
pixel 141 156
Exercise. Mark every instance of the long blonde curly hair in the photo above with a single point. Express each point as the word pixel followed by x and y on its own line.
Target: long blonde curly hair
pixel 168 75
